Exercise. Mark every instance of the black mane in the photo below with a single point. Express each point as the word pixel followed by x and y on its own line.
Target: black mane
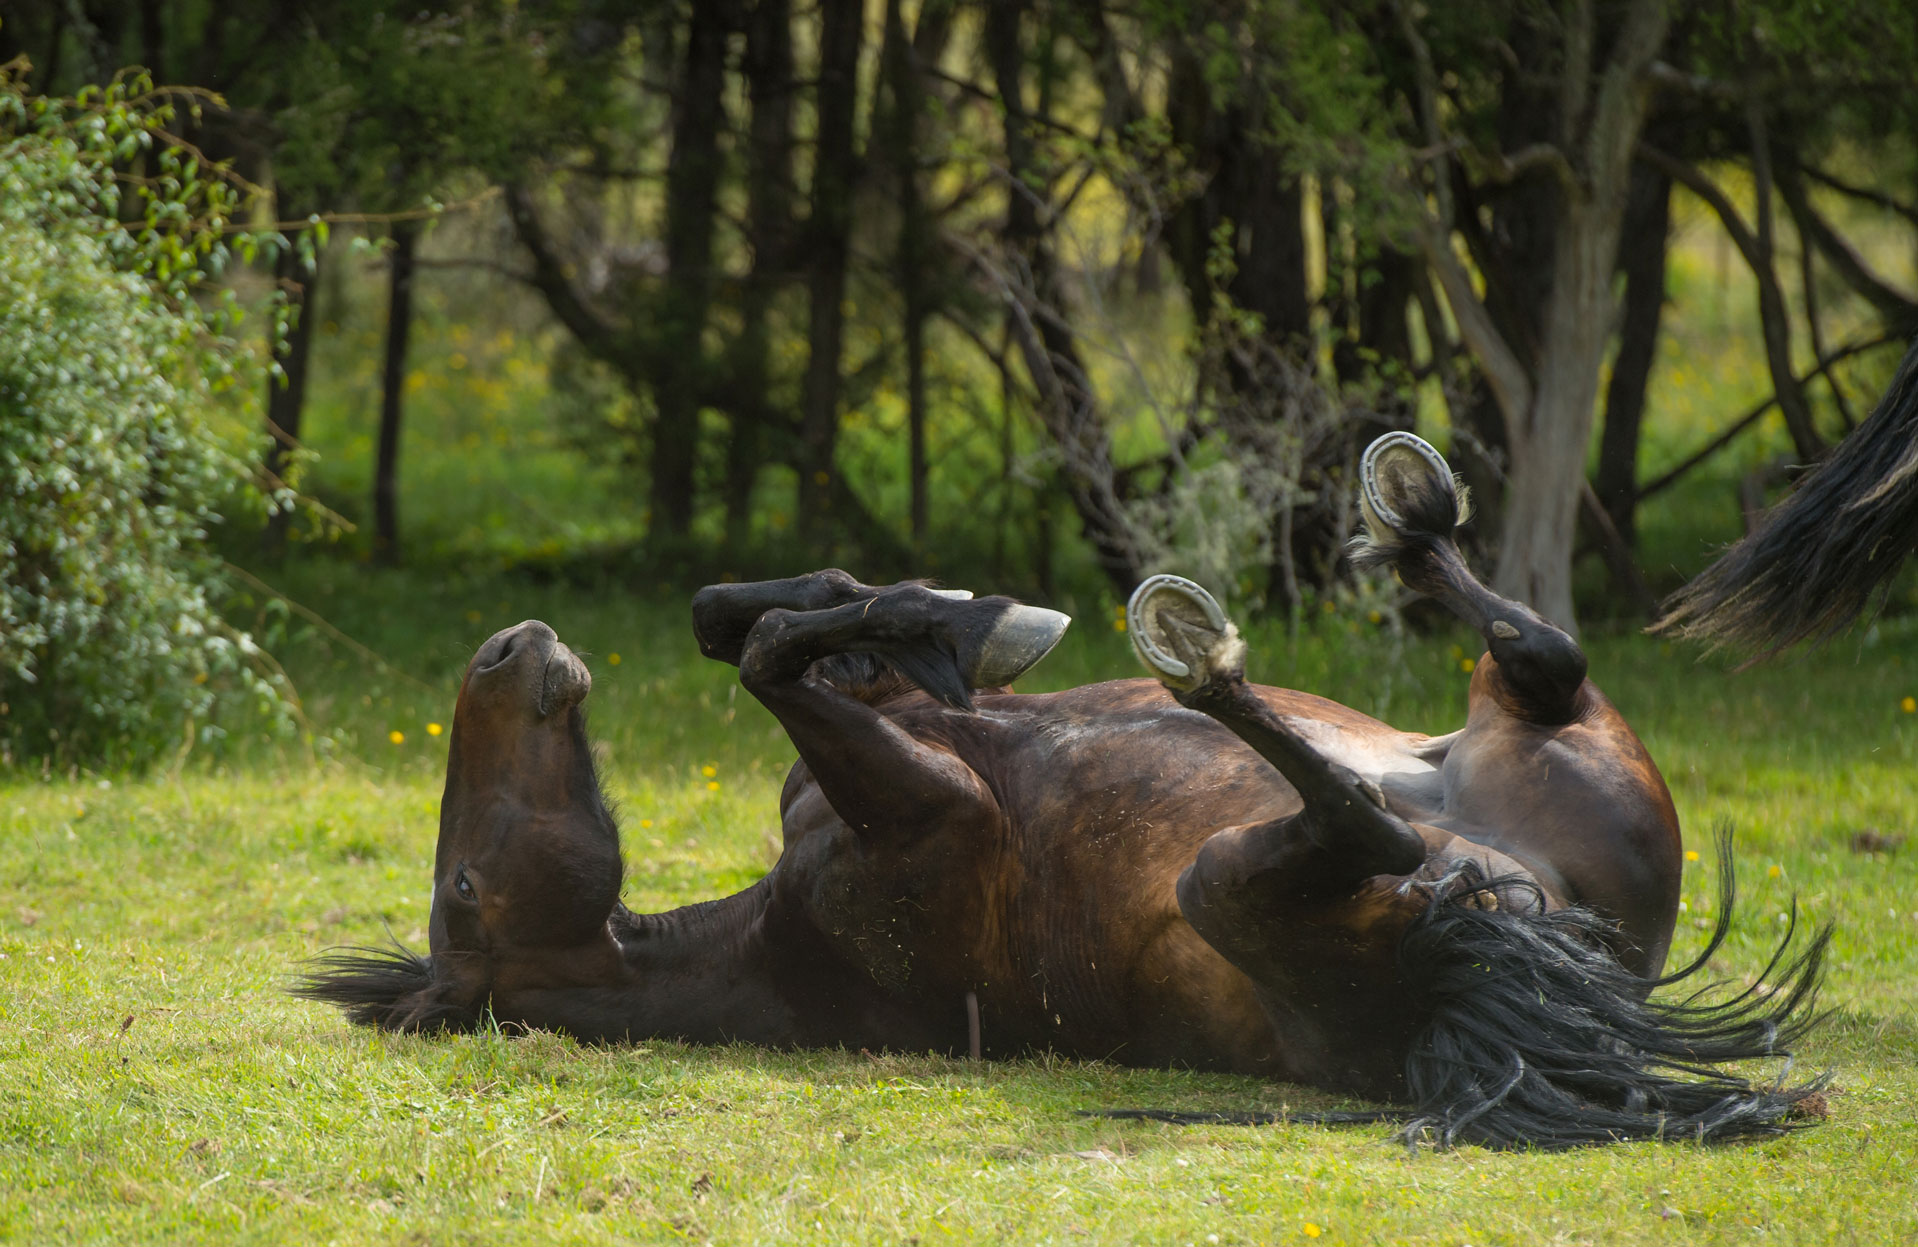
pixel 1542 1039
pixel 1539 1038
pixel 369 985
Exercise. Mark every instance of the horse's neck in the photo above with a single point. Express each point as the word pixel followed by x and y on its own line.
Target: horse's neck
pixel 704 973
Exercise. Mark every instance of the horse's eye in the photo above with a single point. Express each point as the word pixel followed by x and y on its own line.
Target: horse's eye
pixel 464 886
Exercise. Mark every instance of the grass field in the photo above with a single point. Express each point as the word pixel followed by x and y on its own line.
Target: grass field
pixel 157 1084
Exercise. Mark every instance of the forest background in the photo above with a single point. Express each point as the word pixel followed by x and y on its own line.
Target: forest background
pixel 1085 290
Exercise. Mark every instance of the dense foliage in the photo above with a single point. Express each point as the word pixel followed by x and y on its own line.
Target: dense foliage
pixel 1052 295
pixel 113 457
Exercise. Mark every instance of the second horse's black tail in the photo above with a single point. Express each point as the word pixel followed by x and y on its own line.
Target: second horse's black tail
pixel 1816 558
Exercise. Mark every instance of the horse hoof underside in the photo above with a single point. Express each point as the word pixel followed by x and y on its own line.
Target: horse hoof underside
pixel 1181 634
pixel 1405 486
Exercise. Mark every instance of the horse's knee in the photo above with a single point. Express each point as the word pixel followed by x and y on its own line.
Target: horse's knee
pixel 714 623
pixel 1238 873
pixel 723 615
pixel 766 657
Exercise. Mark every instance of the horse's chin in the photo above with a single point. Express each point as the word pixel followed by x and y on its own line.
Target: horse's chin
pixel 564 683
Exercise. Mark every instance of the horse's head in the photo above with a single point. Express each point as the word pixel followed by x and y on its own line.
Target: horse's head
pixel 527 871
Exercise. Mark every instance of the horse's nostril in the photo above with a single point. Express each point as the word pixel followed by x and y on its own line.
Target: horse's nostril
pixel 500 650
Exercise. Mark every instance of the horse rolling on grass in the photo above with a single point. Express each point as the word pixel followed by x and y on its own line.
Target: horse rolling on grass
pixel 1188 871
pixel 1814 561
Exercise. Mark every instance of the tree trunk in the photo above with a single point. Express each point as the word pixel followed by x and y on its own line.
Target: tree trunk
pixel 286 395
pixel 914 252
pixel 1600 116
pixel 1037 318
pixel 692 177
pixel 1642 257
pixel 1248 190
pixel 1548 446
pixel 769 87
pixel 399 324
pixel 842 26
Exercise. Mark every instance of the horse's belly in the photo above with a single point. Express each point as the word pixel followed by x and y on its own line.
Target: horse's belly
pixel 1083 953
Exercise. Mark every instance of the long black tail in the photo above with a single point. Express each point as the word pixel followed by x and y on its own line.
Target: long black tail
pixel 1817 557
pixel 1539 1038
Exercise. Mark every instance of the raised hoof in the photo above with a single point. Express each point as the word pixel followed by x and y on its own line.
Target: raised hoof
pixel 1019 638
pixel 1181 634
pixel 1405 486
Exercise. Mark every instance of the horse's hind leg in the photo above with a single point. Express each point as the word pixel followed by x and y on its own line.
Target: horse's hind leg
pixel 1343 835
pixel 1412 507
pixel 1288 901
pixel 724 614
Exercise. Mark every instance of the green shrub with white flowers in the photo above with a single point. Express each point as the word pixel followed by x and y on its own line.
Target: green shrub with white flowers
pixel 122 438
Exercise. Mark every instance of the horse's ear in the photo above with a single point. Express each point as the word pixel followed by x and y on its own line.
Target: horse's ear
pixel 390 988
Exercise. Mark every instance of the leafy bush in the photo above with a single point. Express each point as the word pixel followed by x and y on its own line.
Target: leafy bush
pixel 112 454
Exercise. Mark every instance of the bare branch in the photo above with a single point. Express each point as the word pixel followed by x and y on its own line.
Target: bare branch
pixel 474 262
pixel 1503 168
pixel 1866 193
pixel 549 277
pixel 1668 478
pixel 1894 306
pixel 1771 300
pixel 1668 77
pixel 1507 375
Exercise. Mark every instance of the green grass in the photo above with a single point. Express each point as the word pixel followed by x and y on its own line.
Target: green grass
pixel 157 1084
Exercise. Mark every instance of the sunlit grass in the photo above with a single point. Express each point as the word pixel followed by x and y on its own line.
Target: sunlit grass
pixel 157 1083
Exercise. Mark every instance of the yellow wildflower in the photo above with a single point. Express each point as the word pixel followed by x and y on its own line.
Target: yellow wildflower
pixel 1467 665
pixel 396 736
pixel 709 770
pixel 612 660
pixel 1909 705
pixel 1691 855
pixel 712 785
pixel 434 729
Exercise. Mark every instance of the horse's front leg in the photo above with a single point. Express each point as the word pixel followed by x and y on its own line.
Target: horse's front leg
pixel 724 614
pixel 877 776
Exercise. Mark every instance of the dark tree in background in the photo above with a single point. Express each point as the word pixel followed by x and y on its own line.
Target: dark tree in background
pixel 883 280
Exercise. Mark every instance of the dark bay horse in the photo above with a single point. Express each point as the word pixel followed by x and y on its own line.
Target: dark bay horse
pixel 1189 871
